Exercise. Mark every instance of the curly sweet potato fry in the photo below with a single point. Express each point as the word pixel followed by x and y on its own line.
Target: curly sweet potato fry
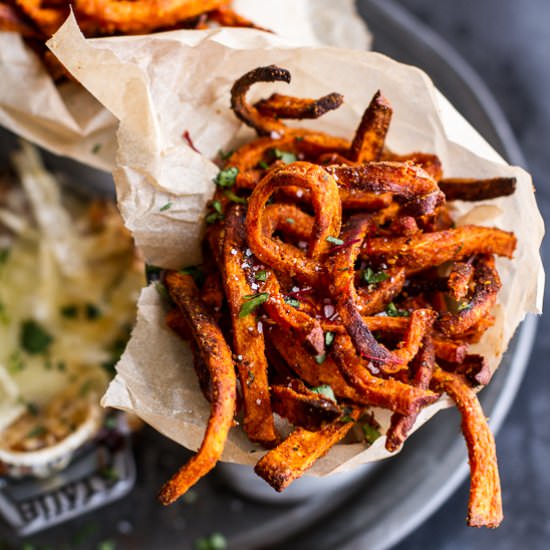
pixel 143 16
pixel 487 284
pixel 432 249
pixel 325 201
pixel 297 453
pixel 216 354
pixel 248 341
pixel 477 190
pixel 302 407
pixel 288 107
pixel 368 143
pixel 485 504
pixel 422 369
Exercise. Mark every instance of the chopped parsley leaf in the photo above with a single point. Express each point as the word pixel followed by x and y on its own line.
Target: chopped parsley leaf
pixel 329 338
pixel 215 541
pixel 325 390
pixel 167 206
pixel 371 433
pixel 285 156
pixel 263 165
pixel 4 255
pixel 34 339
pixel 234 198
pixel 227 177
pixel 92 312
pixel 393 311
pixel 334 240
pixel 37 431
pixel 292 302
pixel 70 311
pixel 196 272
pixel 252 302
pixel 260 275
pixel 96 148
pixel 320 359
pixel 225 155
pixel 372 278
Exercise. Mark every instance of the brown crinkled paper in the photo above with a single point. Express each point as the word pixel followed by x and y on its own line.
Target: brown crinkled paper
pixel 65 119
pixel 174 83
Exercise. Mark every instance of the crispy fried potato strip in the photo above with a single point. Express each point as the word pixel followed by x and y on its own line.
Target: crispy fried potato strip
pixel 485 505
pixel 216 354
pixel 431 249
pixel 368 143
pixel 298 452
pixel 422 368
pixel 477 190
pixel 143 16
pixel 302 407
pixel 288 107
pixel 248 341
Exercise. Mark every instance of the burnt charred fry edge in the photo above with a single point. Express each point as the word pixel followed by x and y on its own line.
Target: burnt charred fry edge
pixel 247 113
pixel 477 190
pixel 289 107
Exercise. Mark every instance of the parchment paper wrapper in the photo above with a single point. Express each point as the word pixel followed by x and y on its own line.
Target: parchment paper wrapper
pixel 174 83
pixel 67 120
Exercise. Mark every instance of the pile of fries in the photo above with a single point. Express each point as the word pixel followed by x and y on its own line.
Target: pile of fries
pixel 37 20
pixel 336 281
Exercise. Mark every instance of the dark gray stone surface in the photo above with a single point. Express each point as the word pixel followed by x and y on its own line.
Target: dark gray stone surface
pixel 508 44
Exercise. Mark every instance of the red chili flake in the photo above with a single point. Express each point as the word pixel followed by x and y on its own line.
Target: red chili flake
pixel 187 137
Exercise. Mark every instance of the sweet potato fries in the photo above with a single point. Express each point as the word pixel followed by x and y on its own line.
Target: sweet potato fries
pixel 335 282
pixel 37 20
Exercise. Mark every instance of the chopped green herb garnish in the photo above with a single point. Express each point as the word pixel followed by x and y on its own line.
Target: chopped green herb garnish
pixel 111 422
pixel 217 206
pixel 225 155
pixel 15 363
pixel 260 275
pixel 292 302
pixel 329 338
pixel 290 220
pixel 346 419
pixel 324 390
pixel 106 545
pixel 32 409
pixel 464 306
pixel 263 165
pixel 320 359
pixel 162 290
pixel 37 431
pixel 285 156
pixel 109 473
pixel 96 148
pixel 227 177
pixel 70 311
pixel 85 388
pixel 393 311
pixel 334 240
pixel 167 206
pixel 61 366
pixel 372 278
pixel 92 312
pixel 253 301
pixel 215 541
pixel 4 255
pixel 34 338
pixel 196 272
pixel 213 217
pixel 371 433
pixel 235 198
